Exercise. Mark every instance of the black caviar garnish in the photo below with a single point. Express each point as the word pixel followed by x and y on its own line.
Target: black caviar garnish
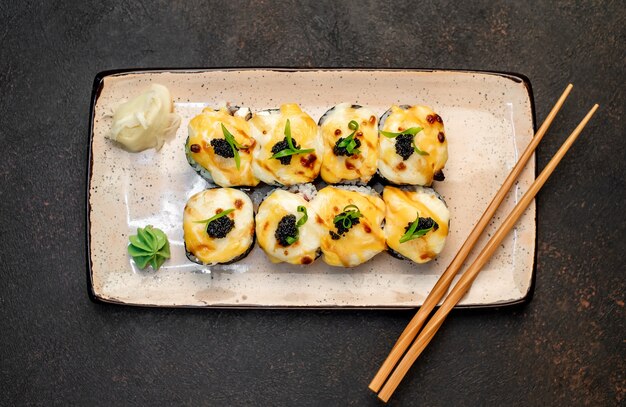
pixel 286 229
pixel 283 145
pixel 220 227
pixel 222 148
pixel 345 221
pixel 338 151
pixel 423 223
pixel 342 230
pixel 438 176
pixel 404 146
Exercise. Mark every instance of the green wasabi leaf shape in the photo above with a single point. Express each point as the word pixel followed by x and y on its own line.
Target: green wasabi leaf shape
pixel 149 246
pixel 139 243
pixel 141 261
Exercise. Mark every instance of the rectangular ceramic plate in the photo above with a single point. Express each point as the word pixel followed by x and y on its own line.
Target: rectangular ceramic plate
pixel 488 119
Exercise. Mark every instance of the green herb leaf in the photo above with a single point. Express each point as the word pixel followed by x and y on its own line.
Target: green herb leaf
pixel 292 239
pixel 413 232
pixel 291 150
pixel 344 142
pixel 412 131
pixel 352 208
pixel 287 133
pixel 417 149
pixel 149 246
pixel 216 216
pixel 286 152
pixel 304 218
pixel 349 143
pixel 234 145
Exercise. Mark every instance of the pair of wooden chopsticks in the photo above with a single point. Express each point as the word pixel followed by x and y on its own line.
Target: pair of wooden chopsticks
pixel 466 280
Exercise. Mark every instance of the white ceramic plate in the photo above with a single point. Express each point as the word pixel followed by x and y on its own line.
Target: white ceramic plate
pixel 488 119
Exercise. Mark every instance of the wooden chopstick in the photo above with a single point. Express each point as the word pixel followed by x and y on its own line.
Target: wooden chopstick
pixel 466 280
pixel 439 290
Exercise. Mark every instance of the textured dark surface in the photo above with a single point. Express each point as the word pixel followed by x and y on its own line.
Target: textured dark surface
pixel 566 347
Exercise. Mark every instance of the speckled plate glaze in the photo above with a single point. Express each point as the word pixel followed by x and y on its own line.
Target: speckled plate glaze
pixel 489 121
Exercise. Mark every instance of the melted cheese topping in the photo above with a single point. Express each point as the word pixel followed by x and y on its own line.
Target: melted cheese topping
pixel 364 240
pixel 208 126
pixel 145 121
pixel 402 208
pixel 279 204
pixel 360 167
pixel 269 128
pixel 417 169
pixel 208 203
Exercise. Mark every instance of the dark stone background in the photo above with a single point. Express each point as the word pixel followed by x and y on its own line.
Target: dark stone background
pixel 566 347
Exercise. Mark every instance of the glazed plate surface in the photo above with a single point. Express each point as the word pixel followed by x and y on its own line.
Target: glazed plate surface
pixel 488 119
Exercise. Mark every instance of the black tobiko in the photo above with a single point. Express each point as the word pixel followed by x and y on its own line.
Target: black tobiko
pixel 404 146
pixel 220 227
pixel 287 230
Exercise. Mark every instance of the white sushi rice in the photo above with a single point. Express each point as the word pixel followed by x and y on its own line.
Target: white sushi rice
pixel 362 189
pixel 307 191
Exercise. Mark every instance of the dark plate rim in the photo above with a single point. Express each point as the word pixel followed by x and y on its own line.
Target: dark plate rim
pixel 95 94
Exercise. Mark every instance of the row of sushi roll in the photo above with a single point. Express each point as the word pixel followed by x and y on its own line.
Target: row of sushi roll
pixel 346 225
pixel 232 147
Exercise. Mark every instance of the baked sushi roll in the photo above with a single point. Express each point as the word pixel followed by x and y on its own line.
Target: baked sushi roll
pixel 286 226
pixel 417 222
pixel 219 146
pixel 288 148
pixel 218 226
pixel 350 135
pixel 412 146
pixel 352 218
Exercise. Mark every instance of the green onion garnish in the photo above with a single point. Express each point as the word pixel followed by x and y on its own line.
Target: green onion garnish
pixel 349 143
pixel 292 239
pixel 216 216
pixel 417 150
pixel 234 145
pixel 304 218
pixel 291 150
pixel 413 232
pixel 412 131
pixel 347 216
